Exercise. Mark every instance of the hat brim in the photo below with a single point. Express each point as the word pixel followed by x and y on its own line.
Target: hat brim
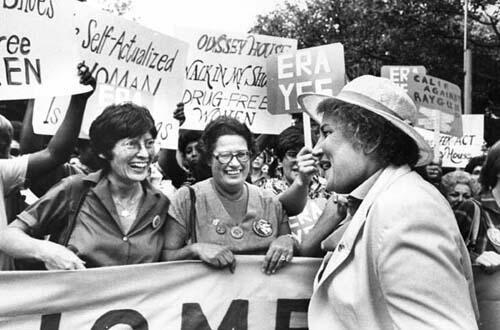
pixel 309 103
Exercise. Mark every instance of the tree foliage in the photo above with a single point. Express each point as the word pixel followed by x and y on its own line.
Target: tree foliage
pixel 399 32
pixel 117 7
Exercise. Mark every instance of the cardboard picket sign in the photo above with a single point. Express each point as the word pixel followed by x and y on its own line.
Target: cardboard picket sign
pixel 312 70
pixel 398 74
pixel 456 151
pixel 130 63
pixel 432 94
pixel 38 50
pixel 226 75
pixel 49 111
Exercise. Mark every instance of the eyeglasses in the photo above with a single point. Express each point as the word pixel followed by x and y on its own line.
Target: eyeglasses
pixel 227 157
pixel 291 154
pixel 135 144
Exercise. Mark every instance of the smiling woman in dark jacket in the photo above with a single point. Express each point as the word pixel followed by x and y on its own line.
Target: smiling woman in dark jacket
pixel 110 217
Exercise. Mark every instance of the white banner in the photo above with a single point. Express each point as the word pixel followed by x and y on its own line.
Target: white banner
pixel 38 50
pixel 226 75
pixel 177 295
pixel 131 63
pixel 456 151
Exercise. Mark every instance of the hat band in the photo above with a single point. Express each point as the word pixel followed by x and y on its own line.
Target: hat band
pixel 363 100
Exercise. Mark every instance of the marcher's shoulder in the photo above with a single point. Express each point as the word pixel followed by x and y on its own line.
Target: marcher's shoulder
pixel 181 194
pixel 70 182
pixel 411 200
pixel 411 189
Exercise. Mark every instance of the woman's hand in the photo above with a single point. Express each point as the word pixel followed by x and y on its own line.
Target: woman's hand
pixel 279 253
pixel 489 259
pixel 215 255
pixel 179 113
pixel 307 165
pixel 86 79
pixel 56 256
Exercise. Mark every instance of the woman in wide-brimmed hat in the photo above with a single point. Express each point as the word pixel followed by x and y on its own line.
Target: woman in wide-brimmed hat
pixel 401 263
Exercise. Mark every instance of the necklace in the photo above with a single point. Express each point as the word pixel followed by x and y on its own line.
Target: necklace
pixel 127 208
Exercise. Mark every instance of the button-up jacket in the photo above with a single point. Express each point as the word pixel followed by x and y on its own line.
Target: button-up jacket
pixel 401 263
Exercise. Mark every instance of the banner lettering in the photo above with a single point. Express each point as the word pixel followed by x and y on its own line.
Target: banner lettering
pixel 177 295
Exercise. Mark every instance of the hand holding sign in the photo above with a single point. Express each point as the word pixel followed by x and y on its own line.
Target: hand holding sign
pixel 86 78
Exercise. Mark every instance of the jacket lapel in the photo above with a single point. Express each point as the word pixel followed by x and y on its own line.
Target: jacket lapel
pixel 355 229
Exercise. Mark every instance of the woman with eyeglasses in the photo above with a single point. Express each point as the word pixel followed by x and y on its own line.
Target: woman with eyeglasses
pixel 106 218
pixel 225 215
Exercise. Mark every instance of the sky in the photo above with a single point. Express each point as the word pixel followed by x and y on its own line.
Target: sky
pixel 226 15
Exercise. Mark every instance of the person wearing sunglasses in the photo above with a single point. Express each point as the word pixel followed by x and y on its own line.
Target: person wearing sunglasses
pixel 225 215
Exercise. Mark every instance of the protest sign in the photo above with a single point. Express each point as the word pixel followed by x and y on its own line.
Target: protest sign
pixel 432 94
pixel 312 70
pixel 226 75
pixel 38 50
pixel 130 63
pixel 398 74
pixel 456 151
pixel 176 295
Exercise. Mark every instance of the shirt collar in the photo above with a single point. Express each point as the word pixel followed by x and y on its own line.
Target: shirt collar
pixel 95 177
pixel 362 190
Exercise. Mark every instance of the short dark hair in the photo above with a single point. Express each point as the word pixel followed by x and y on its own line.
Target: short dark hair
pixel 116 122
pixel 291 138
pixel 218 127
pixel 473 162
pixel 368 130
pixel 186 137
pixel 491 168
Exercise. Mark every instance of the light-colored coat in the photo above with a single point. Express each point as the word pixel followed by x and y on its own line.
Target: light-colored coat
pixel 401 264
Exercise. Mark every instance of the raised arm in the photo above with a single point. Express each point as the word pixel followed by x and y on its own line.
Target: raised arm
pixel 294 199
pixel 62 143
pixel 29 143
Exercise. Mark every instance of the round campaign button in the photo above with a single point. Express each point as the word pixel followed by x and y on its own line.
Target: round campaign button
pixel 494 237
pixel 221 230
pixel 236 232
pixel 262 228
pixel 156 221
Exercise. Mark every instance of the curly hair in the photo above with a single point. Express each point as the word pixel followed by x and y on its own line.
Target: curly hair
pixel 451 179
pixel 369 131
pixel 117 122
pixel 218 127
pixel 491 168
pixel 291 138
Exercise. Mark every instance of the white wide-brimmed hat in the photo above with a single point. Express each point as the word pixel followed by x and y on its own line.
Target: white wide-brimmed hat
pixel 381 96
